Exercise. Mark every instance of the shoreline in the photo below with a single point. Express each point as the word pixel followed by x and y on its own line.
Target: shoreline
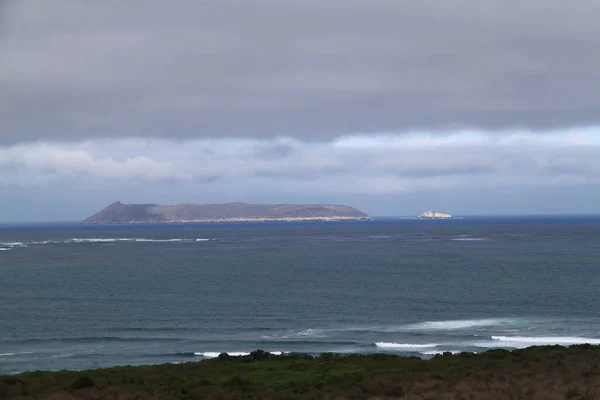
pixel 548 372
pixel 229 220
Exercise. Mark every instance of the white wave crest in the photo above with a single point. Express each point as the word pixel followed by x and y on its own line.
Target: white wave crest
pixel 97 240
pixel 7 354
pixel 545 340
pixel 141 240
pixel 468 239
pixel 161 240
pixel 106 240
pixel 13 244
pixel 458 324
pixel 310 333
pixel 5 249
pixel 435 352
pixel 293 334
pixel 386 345
pixel 213 354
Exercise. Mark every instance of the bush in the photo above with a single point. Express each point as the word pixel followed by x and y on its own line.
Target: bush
pixel 82 382
pixel 257 355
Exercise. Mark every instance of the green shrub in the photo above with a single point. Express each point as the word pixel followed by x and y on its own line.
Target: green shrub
pixel 82 382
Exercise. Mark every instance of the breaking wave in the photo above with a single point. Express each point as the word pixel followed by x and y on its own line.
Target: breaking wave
pixel 148 240
pixel 13 244
pixel 457 324
pixel 10 245
pixel 436 352
pixel 386 345
pixel 211 354
pixel 526 341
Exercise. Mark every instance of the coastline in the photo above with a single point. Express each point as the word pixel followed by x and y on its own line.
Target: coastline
pixel 227 220
pixel 549 372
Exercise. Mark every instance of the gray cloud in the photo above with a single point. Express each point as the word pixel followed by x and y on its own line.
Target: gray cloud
pixel 350 165
pixel 76 69
pixel 463 173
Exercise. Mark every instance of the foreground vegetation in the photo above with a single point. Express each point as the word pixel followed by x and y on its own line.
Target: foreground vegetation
pixel 550 372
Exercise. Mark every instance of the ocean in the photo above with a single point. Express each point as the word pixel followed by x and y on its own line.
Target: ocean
pixel 78 297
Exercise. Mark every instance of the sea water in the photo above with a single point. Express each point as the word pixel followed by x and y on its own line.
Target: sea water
pixel 76 297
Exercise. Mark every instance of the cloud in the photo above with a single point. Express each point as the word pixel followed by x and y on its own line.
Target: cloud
pixel 349 165
pixel 312 70
pixel 43 161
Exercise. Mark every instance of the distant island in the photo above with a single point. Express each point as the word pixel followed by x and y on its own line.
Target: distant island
pixel 435 215
pixel 119 213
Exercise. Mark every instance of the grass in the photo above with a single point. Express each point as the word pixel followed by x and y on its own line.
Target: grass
pixel 550 372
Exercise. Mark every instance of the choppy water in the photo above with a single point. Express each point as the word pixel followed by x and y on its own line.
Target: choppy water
pixel 74 297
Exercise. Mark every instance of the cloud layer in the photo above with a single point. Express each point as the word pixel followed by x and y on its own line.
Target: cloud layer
pixel 75 69
pixel 353 164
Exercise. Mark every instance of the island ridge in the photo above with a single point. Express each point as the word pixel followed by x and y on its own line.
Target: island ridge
pixel 119 213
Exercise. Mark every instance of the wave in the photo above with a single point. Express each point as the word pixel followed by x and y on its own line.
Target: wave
pixel 4 249
pixel 545 340
pixel 211 354
pixel 305 333
pixel 468 239
pixel 386 345
pixel 107 240
pixel 7 354
pixel 436 352
pixel 458 324
pixel 147 240
pixel 63 355
pixel 415 328
pixel 13 244
pixel 93 339
pixel 183 354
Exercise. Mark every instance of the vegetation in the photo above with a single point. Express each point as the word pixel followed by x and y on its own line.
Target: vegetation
pixel 550 372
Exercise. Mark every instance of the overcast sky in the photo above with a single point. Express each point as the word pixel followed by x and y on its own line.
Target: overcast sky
pixel 395 107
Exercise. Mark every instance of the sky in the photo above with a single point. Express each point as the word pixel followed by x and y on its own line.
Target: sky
pixel 473 107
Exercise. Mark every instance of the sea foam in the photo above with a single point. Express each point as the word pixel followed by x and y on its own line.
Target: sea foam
pixel 107 240
pixel 213 354
pixel 386 345
pixel 436 352
pixel 545 340
pixel 210 354
pixel 112 240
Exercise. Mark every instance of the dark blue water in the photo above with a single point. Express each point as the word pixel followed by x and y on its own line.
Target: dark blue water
pixel 74 297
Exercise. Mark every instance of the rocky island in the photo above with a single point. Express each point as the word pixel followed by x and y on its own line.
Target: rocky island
pixel 435 215
pixel 119 213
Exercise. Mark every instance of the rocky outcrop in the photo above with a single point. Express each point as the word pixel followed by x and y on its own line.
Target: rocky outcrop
pixel 119 213
pixel 435 215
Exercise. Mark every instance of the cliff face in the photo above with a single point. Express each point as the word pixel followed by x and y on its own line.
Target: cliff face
pixel 119 213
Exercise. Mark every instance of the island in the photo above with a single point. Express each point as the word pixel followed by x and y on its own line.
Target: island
pixel 119 213
pixel 435 215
